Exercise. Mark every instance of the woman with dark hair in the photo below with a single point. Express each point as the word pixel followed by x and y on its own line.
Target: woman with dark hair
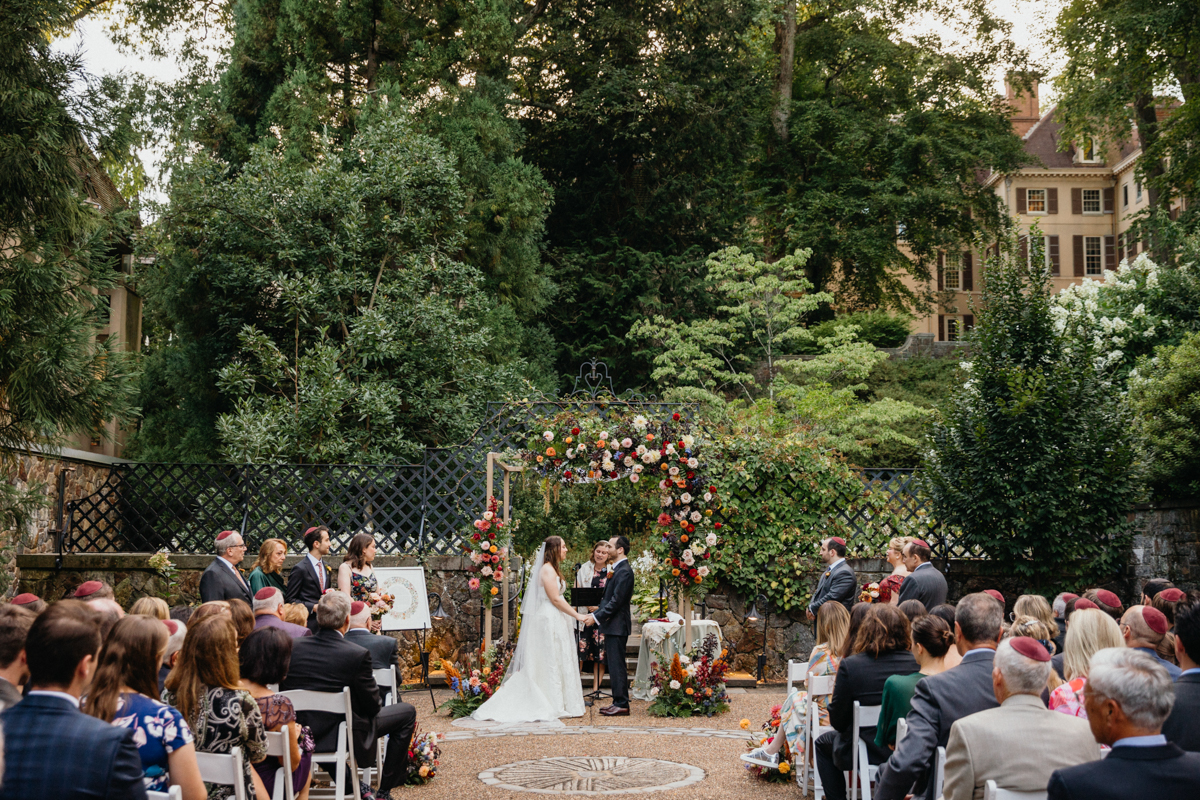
pixel 268 567
pixel 243 618
pixel 912 609
pixel 946 612
pixel 857 615
pixel 880 651
pixel 931 640
pixel 122 692
pixel 205 686
pixel 356 576
pixel 264 658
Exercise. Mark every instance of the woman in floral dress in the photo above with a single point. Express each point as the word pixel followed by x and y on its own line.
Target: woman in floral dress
pixel 356 576
pixel 1090 630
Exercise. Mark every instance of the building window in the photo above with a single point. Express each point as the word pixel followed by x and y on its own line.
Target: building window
pixel 1091 201
pixel 1125 195
pixel 952 272
pixel 1093 255
pixel 1139 191
pixel 953 329
pixel 1089 152
pixel 1036 201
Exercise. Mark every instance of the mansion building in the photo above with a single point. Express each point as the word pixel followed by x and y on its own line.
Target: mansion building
pixel 1081 199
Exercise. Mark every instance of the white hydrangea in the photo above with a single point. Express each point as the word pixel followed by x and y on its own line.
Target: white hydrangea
pixel 688 440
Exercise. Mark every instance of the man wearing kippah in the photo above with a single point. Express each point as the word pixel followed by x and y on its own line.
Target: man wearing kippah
pixel 222 580
pixel 267 614
pixel 924 582
pixel 1143 628
pixel 837 583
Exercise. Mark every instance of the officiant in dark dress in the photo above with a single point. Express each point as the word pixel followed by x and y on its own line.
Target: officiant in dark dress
pixel 593 574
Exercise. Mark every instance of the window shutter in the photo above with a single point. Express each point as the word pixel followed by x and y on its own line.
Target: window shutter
pixel 1052 246
pixel 941 268
pixel 1077 201
pixel 1110 252
pixel 1052 201
pixel 941 327
pixel 1108 200
pixel 1121 247
pixel 1024 240
pixel 968 322
pixel 1020 201
pixel 1174 214
pixel 968 276
pixel 1079 263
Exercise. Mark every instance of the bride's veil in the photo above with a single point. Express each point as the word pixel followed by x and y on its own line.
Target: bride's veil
pixel 535 596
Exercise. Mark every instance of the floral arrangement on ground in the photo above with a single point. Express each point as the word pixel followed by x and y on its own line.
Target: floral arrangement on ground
pixel 691 685
pixel 487 552
pixel 473 687
pixel 424 756
pixel 763 737
pixel 579 448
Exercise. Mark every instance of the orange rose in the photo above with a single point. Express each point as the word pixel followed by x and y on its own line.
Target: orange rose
pixel 690 690
pixel 550 452
pixel 495 590
pixel 683 537
pixel 675 573
pixel 665 468
pixel 683 523
pixel 540 459
pixel 569 439
pixel 601 443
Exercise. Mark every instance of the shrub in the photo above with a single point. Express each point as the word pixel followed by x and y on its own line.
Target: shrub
pixel 877 327
pixel 1166 396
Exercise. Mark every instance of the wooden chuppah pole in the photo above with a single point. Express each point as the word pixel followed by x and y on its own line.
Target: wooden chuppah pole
pixel 507 551
pixel 486 600
pixel 493 459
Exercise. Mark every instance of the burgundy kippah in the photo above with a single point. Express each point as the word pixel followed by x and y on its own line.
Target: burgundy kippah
pixel 995 594
pixel 1155 619
pixel 1083 603
pixel 1171 595
pixel 310 530
pixel 923 543
pixel 88 588
pixel 1108 598
pixel 24 599
pixel 1030 648
pixel 172 626
pixel 1069 596
pixel 265 592
pixel 357 607
pixel 223 535
pixel 838 539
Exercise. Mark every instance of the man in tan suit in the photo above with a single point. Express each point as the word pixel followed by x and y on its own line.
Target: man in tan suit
pixel 1021 743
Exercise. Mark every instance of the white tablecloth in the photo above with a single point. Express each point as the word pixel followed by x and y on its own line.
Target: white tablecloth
pixel 660 642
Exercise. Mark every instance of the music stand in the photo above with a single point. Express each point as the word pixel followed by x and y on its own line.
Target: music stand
pixel 586 596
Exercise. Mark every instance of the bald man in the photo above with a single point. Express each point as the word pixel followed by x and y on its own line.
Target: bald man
pixel 1144 628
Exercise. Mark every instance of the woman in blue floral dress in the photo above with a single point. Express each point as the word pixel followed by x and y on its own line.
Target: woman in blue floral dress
pixel 356 576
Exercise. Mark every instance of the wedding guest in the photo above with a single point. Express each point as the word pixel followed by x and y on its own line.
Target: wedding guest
pixel 895 557
pixel 222 580
pixel 268 567
pixel 1152 587
pixel 985 746
pixel 1106 601
pixel 53 750
pixel 924 582
pixel 268 613
pixel 176 633
pixel 93 590
pixel 881 651
pixel 264 658
pixel 833 625
pixel 1034 605
pixel 14 671
pixel 206 688
pixel 217 608
pixel 592 574
pixel 182 614
pixel 912 609
pixel 1128 697
pixel 931 640
pixel 327 662
pixel 1090 631
pixel 243 619
pixel 1183 726
pixel 1143 628
pixel 942 699
pixel 1039 631
pixel 384 651
pixel 946 612
pixel 1168 601
pixel 110 613
pixel 30 602
pixel 1059 608
pixel 150 607
pixel 295 613
pixel 311 577
pixel 122 692
pixel 995 595
pixel 857 615
pixel 356 575
pixel 837 583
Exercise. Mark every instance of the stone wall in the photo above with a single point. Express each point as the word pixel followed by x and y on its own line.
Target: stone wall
pixel 131 578
pixel 1167 544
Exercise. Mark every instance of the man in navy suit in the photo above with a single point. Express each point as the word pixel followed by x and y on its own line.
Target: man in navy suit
pixel 615 620
pixel 311 578
pixel 837 583
pixel 1127 697
pixel 1183 726
pixel 222 580
pixel 51 748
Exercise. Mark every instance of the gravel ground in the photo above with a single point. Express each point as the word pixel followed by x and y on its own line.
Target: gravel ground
pixel 711 743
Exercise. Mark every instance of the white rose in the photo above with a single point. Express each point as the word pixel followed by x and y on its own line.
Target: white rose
pixel 640 422
pixel 693 463
pixel 696 516
pixel 548 436
pixel 675 684
pixel 641 450
pixel 685 498
pixel 664 501
pixel 670 448
pixel 655 456
pixel 627 443
pixel 673 471
pixel 604 436
pixel 627 461
pixel 688 558
pixel 486 572
pixel 688 440
pixel 638 468
pixel 702 572
pixel 685 660
pixel 570 453
pixel 634 477
pixel 488 515
pixel 711 539
pixel 647 458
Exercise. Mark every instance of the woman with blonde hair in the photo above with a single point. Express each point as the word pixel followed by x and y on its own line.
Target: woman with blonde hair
pixel 151 607
pixel 1034 605
pixel 1036 628
pixel 833 627
pixel 268 567
pixel 895 556
pixel 1090 631
pixel 592 574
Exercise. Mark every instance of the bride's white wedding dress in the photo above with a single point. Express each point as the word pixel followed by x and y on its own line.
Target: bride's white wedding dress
pixel 542 682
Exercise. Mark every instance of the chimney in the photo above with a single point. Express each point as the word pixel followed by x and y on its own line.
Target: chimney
pixel 1024 104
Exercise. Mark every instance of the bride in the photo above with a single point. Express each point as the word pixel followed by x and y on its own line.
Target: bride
pixel 542 682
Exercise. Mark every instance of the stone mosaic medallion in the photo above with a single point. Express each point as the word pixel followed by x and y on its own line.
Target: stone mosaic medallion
pixel 592 775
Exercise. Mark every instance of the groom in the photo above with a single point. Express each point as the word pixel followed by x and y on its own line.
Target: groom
pixel 615 623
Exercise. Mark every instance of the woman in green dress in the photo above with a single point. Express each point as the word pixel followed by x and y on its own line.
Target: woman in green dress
pixel 268 567
pixel 931 640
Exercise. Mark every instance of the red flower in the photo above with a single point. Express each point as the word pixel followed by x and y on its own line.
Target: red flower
pixel 681 445
pixel 567 474
pixel 693 572
pixel 712 489
pixel 492 535
pixel 675 562
pixel 675 416
pixel 691 475
pixel 705 556
pixel 691 528
pixel 716 524
pixel 664 519
pixel 574 431
pixel 475 537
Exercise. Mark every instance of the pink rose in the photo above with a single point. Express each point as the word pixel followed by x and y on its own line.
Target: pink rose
pixel 474 584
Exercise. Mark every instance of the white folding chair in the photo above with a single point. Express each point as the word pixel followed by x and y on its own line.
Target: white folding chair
pixel 993 792
pixel 861 768
pixel 797 674
pixel 818 686
pixel 333 703
pixel 385 679
pixel 280 745
pixel 224 769
pixel 174 793
pixel 939 774
pixel 901 730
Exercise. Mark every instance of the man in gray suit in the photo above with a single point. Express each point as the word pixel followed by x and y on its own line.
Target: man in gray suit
pixel 837 582
pixel 943 699
pixel 923 582
pixel 1021 743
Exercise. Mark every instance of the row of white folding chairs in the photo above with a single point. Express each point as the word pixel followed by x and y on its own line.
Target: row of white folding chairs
pixel 939 767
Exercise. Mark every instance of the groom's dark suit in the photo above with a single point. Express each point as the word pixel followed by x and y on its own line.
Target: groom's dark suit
pixel 616 623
